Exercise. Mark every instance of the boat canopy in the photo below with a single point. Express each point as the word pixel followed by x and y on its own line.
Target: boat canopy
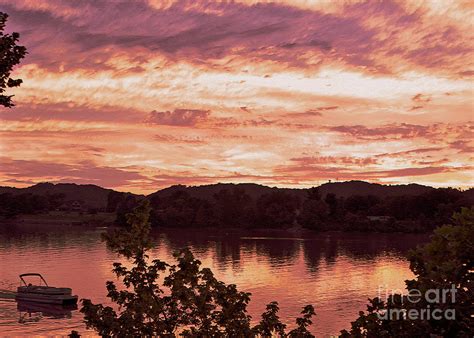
pixel 32 274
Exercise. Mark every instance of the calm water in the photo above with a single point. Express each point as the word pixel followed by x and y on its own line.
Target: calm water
pixel 334 272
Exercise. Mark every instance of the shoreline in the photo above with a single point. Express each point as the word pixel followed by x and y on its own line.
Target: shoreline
pixel 106 220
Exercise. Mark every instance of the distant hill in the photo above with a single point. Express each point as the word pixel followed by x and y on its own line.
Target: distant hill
pixel 92 196
pixel 341 189
pixel 207 191
pixel 349 188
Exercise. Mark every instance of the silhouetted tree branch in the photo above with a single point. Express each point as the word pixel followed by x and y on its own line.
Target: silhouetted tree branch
pixel 10 55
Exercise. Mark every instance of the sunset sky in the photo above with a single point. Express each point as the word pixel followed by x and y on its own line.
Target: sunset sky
pixel 139 95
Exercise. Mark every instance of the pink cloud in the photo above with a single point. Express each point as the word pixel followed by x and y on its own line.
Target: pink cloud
pixel 178 117
pixel 463 146
pixel 304 172
pixel 412 151
pixel 421 98
pixel 181 139
pixel 82 172
pixel 392 130
pixel 278 33
pixel 316 112
pixel 310 160
pixel 71 111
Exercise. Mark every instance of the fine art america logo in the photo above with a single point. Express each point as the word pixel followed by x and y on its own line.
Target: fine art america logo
pixel 433 304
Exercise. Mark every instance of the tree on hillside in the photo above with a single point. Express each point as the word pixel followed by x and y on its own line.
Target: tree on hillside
pixel 314 211
pixel 276 209
pixel 234 207
pixel 332 202
pixel 359 204
pixel 181 210
pixel 10 55
pixel 190 301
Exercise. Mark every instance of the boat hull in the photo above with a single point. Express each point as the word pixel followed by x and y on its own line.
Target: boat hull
pixel 47 299
pixel 45 295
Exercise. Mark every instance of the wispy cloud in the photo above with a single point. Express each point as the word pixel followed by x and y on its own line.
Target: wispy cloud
pixel 178 117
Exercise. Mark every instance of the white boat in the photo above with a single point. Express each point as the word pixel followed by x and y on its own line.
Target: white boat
pixel 43 293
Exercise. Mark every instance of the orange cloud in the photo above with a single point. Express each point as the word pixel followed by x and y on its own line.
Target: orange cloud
pixel 178 117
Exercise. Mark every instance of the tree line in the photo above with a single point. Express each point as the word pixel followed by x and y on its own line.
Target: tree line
pixel 278 209
pixel 235 208
pixel 12 205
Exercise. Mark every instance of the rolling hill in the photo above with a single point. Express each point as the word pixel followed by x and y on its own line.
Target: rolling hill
pixel 93 196
pixel 341 189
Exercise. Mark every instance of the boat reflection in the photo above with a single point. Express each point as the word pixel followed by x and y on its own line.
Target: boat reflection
pixel 34 312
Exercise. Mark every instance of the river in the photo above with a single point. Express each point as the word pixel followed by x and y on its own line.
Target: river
pixel 336 272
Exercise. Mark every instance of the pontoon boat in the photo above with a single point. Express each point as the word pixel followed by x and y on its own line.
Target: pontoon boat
pixel 43 293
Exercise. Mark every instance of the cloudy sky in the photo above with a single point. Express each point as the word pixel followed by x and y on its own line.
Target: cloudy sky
pixel 140 95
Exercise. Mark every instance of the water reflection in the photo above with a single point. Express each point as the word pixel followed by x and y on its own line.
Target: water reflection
pixel 33 312
pixel 276 247
pixel 336 272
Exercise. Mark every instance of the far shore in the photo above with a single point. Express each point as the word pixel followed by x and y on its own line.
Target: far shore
pixel 64 218
pixel 59 219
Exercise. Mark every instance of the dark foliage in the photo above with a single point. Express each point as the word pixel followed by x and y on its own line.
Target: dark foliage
pixel 126 204
pixel 13 205
pixel 240 206
pixel 233 207
pixel 276 210
pixel 10 55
